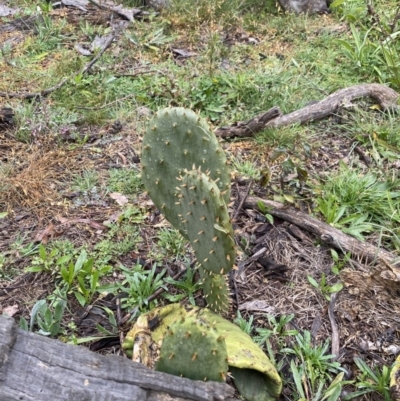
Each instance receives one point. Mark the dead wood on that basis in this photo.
(249, 128)
(128, 13)
(36, 368)
(386, 97)
(335, 338)
(385, 269)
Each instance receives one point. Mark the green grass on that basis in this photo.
(362, 202)
(170, 244)
(125, 180)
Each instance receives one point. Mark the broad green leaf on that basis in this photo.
(336, 287)
(312, 281)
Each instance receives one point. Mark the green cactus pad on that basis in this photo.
(254, 375)
(206, 220)
(194, 350)
(175, 140)
(246, 356)
(216, 291)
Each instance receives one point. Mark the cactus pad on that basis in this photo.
(175, 140)
(216, 291)
(193, 349)
(205, 218)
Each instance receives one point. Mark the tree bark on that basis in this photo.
(36, 368)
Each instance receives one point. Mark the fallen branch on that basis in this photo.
(46, 92)
(386, 97)
(385, 266)
(128, 13)
(335, 330)
(249, 128)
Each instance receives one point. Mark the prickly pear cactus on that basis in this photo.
(193, 349)
(395, 380)
(206, 221)
(175, 140)
(176, 330)
(216, 291)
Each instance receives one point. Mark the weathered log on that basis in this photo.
(385, 268)
(36, 368)
(385, 96)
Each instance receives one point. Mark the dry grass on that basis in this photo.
(30, 174)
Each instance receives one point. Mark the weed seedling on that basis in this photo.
(265, 211)
(315, 365)
(47, 317)
(245, 325)
(326, 289)
(339, 263)
(187, 285)
(137, 286)
(170, 244)
(371, 381)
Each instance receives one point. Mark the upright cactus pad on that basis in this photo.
(216, 291)
(175, 140)
(193, 349)
(205, 218)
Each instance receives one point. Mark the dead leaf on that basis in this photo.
(11, 310)
(43, 236)
(119, 198)
(113, 218)
(258, 305)
(92, 223)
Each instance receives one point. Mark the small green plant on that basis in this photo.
(46, 261)
(187, 285)
(82, 277)
(126, 181)
(326, 289)
(137, 286)
(313, 361)
(47, 317)
(152, 40)
(358, 202)
(339, 263)
(170, 244)
(86, 181)
(332, 393)
(265, 211)
(275, 335)
(371, 381)
(245, 325)
(362, 50)
(277, 328)
(246, 168)
(335, 215)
